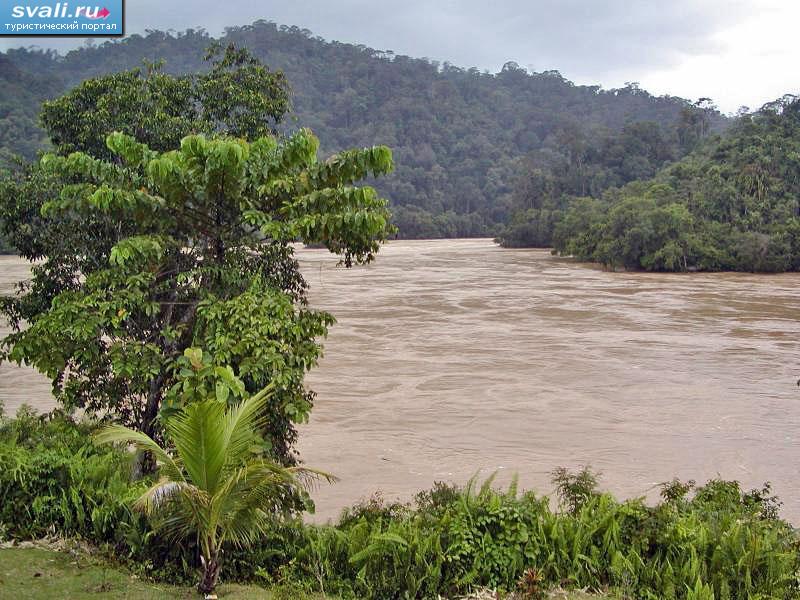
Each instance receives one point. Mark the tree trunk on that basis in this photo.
(144, 464)
(151, 408)
(211, 568)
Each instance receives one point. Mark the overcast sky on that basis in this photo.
(738, 52)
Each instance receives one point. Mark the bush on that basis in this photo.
(715, 541)
(722, 543)
(55, 481)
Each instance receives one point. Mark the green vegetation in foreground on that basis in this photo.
(710, 542)
(216, 486)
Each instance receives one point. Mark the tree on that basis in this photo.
(143, 253)
(213, 485)
(201, 288)
(238, 96)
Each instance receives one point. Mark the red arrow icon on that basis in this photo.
(103, 14)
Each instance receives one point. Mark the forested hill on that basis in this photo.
(458, 134)
(20, 95)
(732, 205)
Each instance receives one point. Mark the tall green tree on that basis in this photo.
(201, 290)
(237, 95)
(159, 242)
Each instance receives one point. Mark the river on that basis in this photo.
(457, 357)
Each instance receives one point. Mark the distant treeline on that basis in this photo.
(465, 142)
(732, 204)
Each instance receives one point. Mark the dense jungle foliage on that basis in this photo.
(714, 542)
(584, 164)
(459, 135)
(733, 204)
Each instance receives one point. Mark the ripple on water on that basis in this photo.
(456, 357)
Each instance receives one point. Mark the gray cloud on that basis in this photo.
(590, 41)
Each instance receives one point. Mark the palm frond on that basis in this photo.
(199, 441)
(266, 479)
(249, 510)
(308, 478)
(165, 492)
(240, 425)
(177, 524)
(257, 488)
(118, 434)
(245, 529)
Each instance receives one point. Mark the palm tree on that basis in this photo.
(214, 484)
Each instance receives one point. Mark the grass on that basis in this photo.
(36, 573)
(44, 574)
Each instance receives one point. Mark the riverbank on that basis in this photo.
(451, 541)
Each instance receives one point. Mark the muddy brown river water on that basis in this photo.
(456, 357)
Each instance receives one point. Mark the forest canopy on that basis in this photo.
(730, 205)
(462, 138)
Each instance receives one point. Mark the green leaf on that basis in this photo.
(195, 356)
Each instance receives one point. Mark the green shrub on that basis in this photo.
(723, 541)
(55, 480)
(714, 541)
